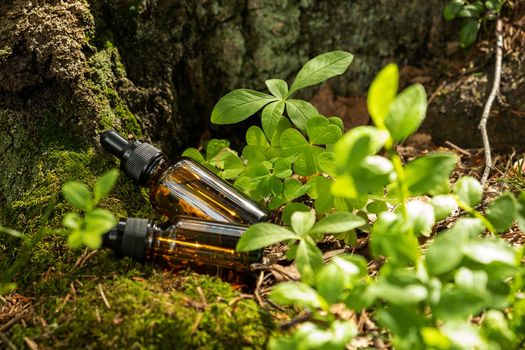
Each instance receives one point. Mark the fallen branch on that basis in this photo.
(488, 105)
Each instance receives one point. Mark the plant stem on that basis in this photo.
(476, 214)
(401, 178)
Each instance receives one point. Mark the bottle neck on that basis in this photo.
(155, 171)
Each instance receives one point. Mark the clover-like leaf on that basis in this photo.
(321, 132)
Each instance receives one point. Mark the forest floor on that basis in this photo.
(94, 298)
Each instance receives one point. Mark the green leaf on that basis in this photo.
(270, 117)
(502, 212)
(496, 327)
(92, 240)
(306, 162)
(98, 222)
(320, 192)
(326, 163)
(343, 332)
(337, 222)
(399, 288)
(238, 105)
(337, 121)
(407, 112)
(488, 251)
(356, 144)
(291, 208)
(321, 132)
(72, 221)
(353, 267)
(390, 238)
(445, 252)
(376, 207)
(444, 205)
(232, 164)
(308, 259)
(77, 194)
(282, 168)
(520, 211)
(421, 216)
(194, 154)
(471, 11)
(452, 9)
(262, 235)
(214, 146)
(382, 93)
(105, 184)
(299, 112)
(282, 125)
(302, 222)
(429, 174)
(330, 283)
(255, 137)
(293, 142)
(469, 190)
(469, 32)
(321, 68)
(296, 293)
(294, 189)
(11, 232)
(464, 335)
(457, 304)
(278, 88)
(74, 241)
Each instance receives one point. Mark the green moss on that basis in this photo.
(150, 312)
(106, 69)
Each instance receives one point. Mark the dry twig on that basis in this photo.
(488, 105)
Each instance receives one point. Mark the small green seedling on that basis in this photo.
(88, 230)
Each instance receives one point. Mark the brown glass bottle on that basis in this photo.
(183, 186)
(203, 245)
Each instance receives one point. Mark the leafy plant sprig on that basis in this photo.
(472, 15)
(425, 299)
(294, 138)
(88, 230)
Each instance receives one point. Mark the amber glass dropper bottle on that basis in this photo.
(183, 186)
(203, 245)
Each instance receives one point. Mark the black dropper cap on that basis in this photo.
(128, 238)
(136, 158)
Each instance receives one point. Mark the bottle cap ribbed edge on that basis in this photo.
(134, 238)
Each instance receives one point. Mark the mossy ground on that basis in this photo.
(148, 308)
